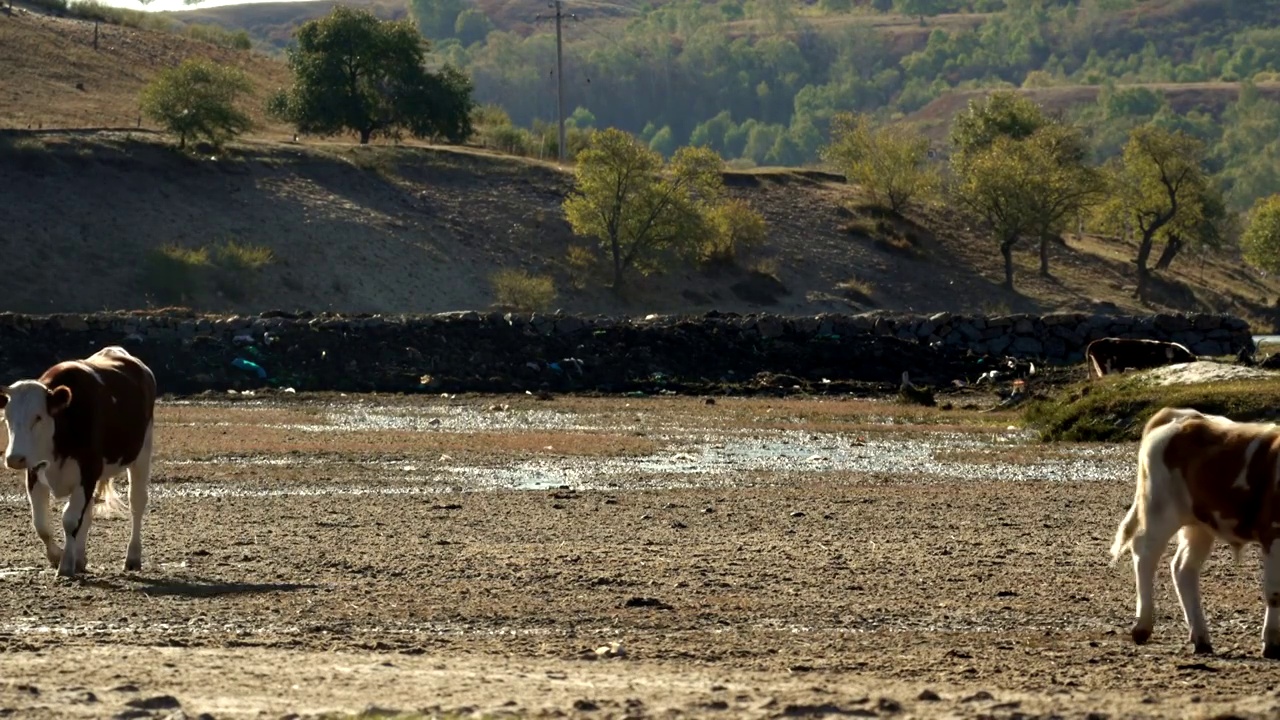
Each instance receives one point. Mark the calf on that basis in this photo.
(1109, 355)
(79, 425)
(1203, 478)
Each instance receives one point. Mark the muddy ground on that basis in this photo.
(603, 558)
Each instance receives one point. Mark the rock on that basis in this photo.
(769, 327)
(1027, 346)
(156, 702)
(73, 323)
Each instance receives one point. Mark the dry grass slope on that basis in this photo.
(413, 228)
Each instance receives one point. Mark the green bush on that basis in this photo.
(523, 292)
(174, 274)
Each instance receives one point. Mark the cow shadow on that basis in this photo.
(193, 587)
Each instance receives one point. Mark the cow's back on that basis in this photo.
(112, 406)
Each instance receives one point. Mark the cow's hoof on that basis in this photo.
(1271, 650)
(1202, 647)
(55, 560)
(132, 565)
(1140, 635)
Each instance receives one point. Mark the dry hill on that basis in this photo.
(383, 229)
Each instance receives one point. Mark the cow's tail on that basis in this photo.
(1134, 520)
(108, 502)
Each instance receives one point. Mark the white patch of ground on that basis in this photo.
(1204, 371)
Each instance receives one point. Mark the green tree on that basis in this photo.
(642, 211)
(1004, 112)
(197, 99)
(1065, 184)
(437, 18)
(918, 8)
(355, 72)
(472, 26)
(1159, 183)
(1261, 240)
(1026, 188)
(734, 227)
(891, 163)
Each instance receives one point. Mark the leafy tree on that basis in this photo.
(1060, 155)
(641, 210)
(918, 8)
(1065, 184)
(891, 163)
(472, 26)
(1261, 240)
(1003, 112)
(734, 227)
(355, 72)
(1026, 188)
(197, 99)
(1159, 184)
(994, 185)
(437, 18)
(1210, 227)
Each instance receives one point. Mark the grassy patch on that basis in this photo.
(236, 267)
(176, 274)
(520, 291)
(173, 274)
(28, 154)
(1114, 410)
(93, 10)
(857, 290)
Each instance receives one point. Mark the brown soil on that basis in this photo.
(744, 596)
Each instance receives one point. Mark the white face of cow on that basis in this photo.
(29, 410)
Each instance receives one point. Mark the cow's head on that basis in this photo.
(29, 411)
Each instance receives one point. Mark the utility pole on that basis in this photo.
(559, 78)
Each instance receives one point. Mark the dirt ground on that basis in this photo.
(610, 558)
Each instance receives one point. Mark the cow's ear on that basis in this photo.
(59, 399)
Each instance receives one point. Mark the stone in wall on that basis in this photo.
(495, 352)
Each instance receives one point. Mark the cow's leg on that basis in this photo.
(38, 498)
(1194, 545)
(1271, 591)
(139, 482)
(75, 520)
(1147, 549)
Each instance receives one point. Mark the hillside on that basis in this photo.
(386, 229)
(53, 77)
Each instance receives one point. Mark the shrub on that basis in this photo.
(582, 262)
(519, 290)
(236, 267)
(197, 99)
(174, 274)
(735, 227)
(215, 35)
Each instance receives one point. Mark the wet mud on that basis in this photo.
(653, 557)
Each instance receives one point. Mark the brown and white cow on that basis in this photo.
(1204, 478)
(79, 425)
(1112, 355)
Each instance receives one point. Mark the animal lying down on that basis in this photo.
(71, 431)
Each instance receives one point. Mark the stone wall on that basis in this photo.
(470, 351)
